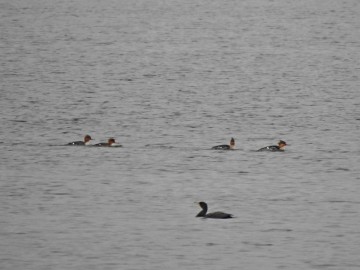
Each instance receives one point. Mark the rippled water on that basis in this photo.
(170, 79)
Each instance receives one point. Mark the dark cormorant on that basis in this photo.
(203, 214)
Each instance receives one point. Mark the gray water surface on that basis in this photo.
(169, 80)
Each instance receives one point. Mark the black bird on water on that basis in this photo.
(203, 214)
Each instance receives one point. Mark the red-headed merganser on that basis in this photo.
(203, 214)
(274, 148)
(225, 146)
(86, 141)
(111, 142)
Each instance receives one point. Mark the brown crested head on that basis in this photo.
(282, 143)
(87, 138)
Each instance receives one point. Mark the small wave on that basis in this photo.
(277, 230)
(342, 201)
(258, 244)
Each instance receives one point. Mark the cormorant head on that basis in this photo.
(203, 205)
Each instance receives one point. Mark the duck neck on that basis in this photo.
(232, 143)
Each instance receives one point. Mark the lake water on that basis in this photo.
(169, 80)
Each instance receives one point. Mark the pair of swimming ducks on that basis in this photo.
(273, 148)
(221, 215)
(87, 139)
